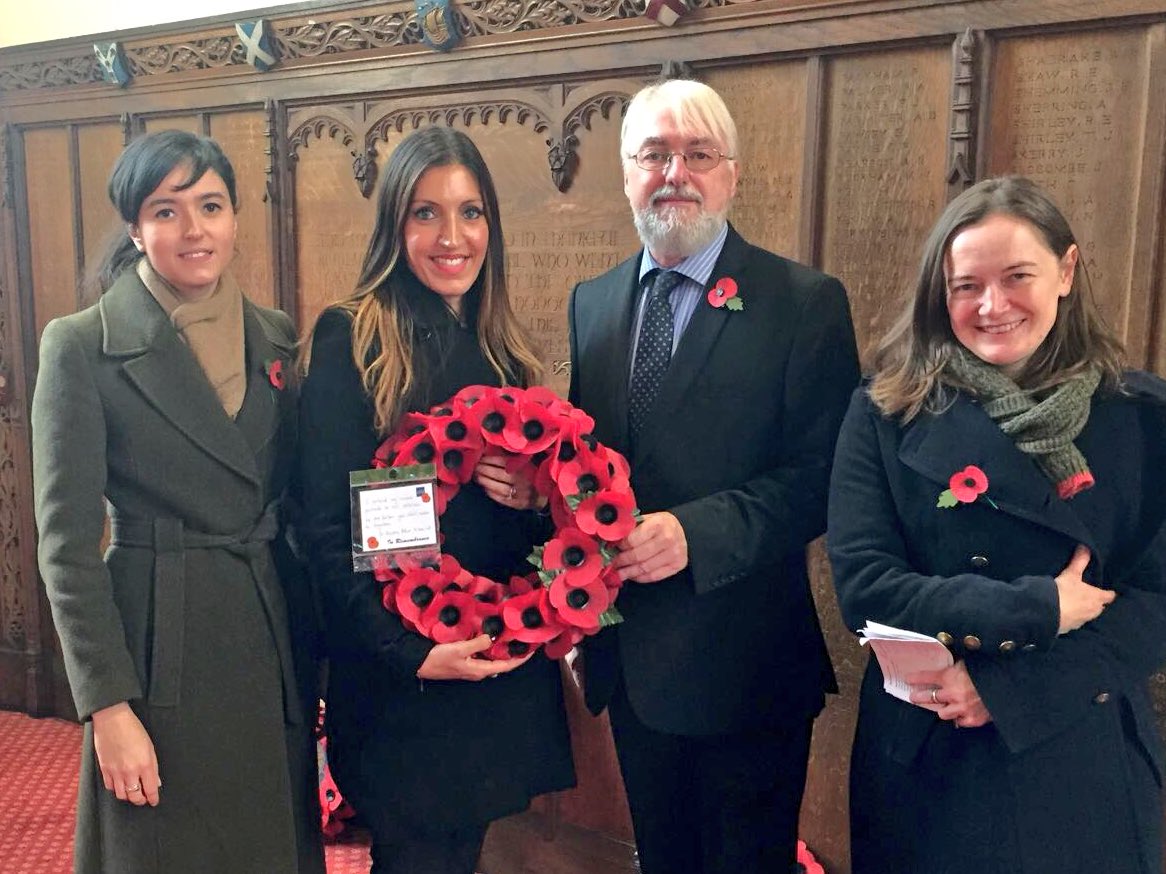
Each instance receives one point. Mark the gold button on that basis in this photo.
(945, 638)
(1101, 698)
(1028, 647)
(1007, 646)
(979, 561)
(971, 642)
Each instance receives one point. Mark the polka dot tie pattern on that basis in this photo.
(653, 352)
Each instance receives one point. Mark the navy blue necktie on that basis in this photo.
(653, 351)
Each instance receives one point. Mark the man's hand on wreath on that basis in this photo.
(655, 550)
(509, 489)
(455, 661)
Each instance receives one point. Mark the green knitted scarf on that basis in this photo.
(1043, 429)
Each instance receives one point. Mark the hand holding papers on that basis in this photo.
(901, 653)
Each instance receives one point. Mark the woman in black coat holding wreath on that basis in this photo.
(427, 752)
(1001, 485)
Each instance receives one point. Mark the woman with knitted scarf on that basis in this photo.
(1000, 484)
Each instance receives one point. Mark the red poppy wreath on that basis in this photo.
(572, 591)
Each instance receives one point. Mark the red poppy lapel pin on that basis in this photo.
(964, 487)
(275, 373)
(724, 294)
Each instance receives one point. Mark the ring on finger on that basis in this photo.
(137, 787)
(934, 698)
(513, 493)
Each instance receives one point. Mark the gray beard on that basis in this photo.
(667, 235)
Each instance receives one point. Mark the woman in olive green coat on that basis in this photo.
(166, 403)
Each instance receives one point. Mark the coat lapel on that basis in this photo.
(939, 446)
(695, 347)
(265, 404)
(160, 366)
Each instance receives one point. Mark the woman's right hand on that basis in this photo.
(125, 754)
(1079, 601)
(455, 661)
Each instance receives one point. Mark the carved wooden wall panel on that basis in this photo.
(856, 124)
(887, 118)
(243, 137)
(98, 146)
(333, 220)
(51, 187)
(1069, 111)
(768, 103)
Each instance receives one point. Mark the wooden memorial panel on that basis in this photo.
(98, 146)
(333, 220)
(192, 123)
(887, 123)
(51, 232)
(768, 103)
(1068, 111)
(244, 140)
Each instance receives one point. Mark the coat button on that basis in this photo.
(945, 638)
(979, 561)
(1101, 698)
(972, 642)
(1007, 646)
(1028, 647)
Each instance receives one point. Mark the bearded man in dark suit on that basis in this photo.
(722, 371)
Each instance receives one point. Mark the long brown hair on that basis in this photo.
(382, 336)
(911, 360)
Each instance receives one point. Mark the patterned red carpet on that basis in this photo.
(38, 792)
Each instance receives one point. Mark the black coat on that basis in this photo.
(738, 447)
(412, 755)
(1066, 777)
(187, 617)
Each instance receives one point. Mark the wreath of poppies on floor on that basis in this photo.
(572, 591)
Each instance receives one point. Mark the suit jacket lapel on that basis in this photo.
(939, 446)
(160, 366)
(695, 347)
(618, 308)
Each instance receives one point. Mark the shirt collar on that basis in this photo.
(698, 267)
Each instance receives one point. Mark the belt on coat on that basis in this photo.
(170, 538)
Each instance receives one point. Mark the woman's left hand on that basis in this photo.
(508, 489)
(951, 694)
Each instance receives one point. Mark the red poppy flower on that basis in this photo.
(530, 617)
(275, 375)
(521, 585)
(416, 591)
(585, 473)
(579, 604)
(533, 430)
(497, 411)
(720, 293)
(418, 449)
(545, 397)
(484, 590)
(607, 514)
(488, 619)
(507, 646)
(968, 484)
(450, 616)
(610, 578)
(573, 554)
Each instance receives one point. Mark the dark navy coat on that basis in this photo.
(1066, 777)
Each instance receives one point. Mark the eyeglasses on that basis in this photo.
(699, 160)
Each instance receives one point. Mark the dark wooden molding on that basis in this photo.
(965, 108)
(813, 163)
(6, 135)
(78, 220)
(281, 209)
(304, 38)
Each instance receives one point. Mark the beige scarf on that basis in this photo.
(212, 328)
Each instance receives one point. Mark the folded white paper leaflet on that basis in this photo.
(901, 652)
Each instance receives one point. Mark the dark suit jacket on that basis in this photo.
(738, 448)
(1070, 764)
